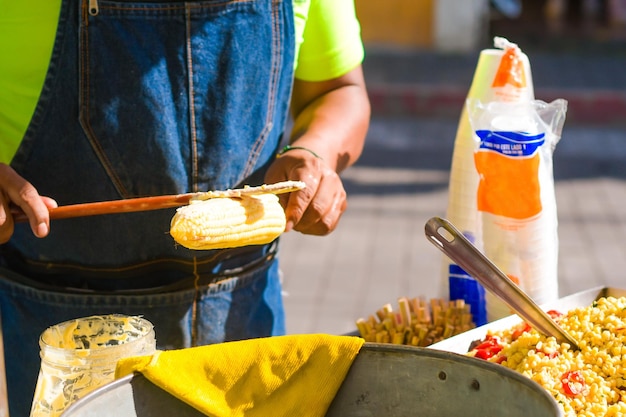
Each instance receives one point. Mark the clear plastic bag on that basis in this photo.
(514, 145)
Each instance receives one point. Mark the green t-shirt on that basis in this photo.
(328, 45)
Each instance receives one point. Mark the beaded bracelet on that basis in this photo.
(291, 148)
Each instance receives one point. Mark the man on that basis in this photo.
(152, 98)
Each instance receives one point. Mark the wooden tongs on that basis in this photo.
(157, 202)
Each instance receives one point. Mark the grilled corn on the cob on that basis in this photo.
(220, 223)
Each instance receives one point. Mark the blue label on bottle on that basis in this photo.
(464, 287)
(514, 144)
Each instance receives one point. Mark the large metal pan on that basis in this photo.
(384, 380)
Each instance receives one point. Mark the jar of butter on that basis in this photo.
(80, 355)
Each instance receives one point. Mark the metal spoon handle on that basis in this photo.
(450, 241)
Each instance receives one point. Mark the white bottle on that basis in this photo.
(501, 74)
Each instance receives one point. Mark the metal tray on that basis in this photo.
(461, 343)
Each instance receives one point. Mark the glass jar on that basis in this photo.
(78, 356)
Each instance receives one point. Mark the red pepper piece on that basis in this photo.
(488, 343)
(487, 353)
(554, 314)
(521, 329)
(573, 383)
(482, 354)
(488, 349)
(500, 359)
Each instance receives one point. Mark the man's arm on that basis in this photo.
(331, 119)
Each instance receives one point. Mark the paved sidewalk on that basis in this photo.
(379, 252)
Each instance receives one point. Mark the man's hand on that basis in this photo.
(16, 191)
(331, 118)
(316, 209)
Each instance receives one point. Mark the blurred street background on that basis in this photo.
(420, 60)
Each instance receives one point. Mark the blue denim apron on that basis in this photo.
(141, 99)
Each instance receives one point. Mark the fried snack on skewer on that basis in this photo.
(418, 323)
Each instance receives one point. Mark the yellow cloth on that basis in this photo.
(295, 375)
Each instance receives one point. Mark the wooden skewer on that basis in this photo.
(109, 207)
(277, 188)
(130, 205)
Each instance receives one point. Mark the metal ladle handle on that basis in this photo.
(468, 257)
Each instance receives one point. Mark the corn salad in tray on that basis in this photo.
(589, 382)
